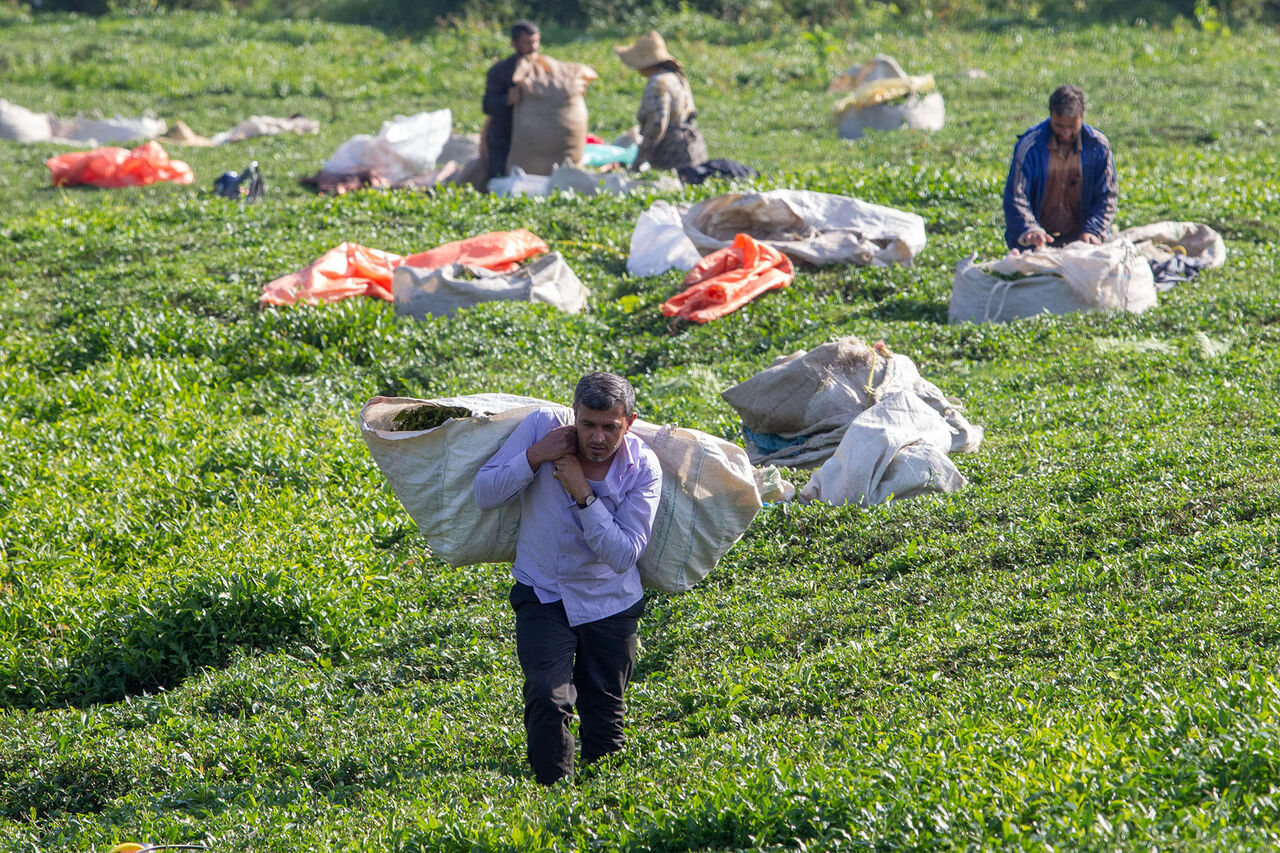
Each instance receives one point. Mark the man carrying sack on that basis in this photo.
(501, 95)
(588, 494)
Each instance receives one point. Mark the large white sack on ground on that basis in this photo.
(887, 98)
(914, 112)
(815, 395)
(1076, 277)
(421, 292)
(106, 131)
(404, 147)
(22, 125)
(1159, 240)
(895, 449)
(815, 227)
(709, 491)
(658, 242)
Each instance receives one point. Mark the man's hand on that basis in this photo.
(568, 470)
(515, 95)
(1091, 239)
(555, 444)
(1034, 238)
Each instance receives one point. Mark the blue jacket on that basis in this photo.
(1029, 171)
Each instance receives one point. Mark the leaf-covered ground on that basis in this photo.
(219, 626)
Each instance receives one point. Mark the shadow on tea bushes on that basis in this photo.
(145, 646)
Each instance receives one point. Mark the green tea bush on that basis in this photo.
(219, 626)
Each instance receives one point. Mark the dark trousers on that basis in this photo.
(584, 666)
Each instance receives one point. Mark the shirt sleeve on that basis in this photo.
(1100, 215)
(496, 85)
(1018, 216)
(619, 537)
(507, 473)
(653, 117)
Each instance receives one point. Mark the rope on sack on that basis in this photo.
(1003, 286)
(1130, 253)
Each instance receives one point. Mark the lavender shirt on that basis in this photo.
(583, 557)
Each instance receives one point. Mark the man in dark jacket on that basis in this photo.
(500, 96)
(1062, 181)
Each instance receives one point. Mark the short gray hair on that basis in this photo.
(1067, 101)
(603, 391)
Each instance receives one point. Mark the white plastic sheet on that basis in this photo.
(658, 242)
(404, 147)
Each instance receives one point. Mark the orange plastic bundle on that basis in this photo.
(350, 269)
(118, 167)
(500, 251)
(729, 278)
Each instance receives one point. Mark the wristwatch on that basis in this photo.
(587, 501)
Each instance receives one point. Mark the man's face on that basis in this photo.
(527, 43)
(1066, 128)
(600, 431)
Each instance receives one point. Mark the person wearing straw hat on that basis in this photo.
(667, 117)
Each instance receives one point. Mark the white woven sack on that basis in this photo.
(709, 493)
(813, 227)
(432, 472)
(895, 449)
(421, 292)
(709, 498)
(1076, 277)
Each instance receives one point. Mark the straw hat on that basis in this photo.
(649, 50)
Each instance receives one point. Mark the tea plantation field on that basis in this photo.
(219, 627)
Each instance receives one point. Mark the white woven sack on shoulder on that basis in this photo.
(709, 493)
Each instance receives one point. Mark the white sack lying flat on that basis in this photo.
(583, 182)
(265, 126)
(422, 292)
(895, 449)
(404, 147)
(1159, 240)
(22, 125)
(814, 227)
(1076, 277)
(659, 243)
(709, 491)
(815, 395)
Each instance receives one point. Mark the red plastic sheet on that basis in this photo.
(118, 167)
(729, 278)
(350, 269)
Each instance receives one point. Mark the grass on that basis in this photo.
(219, 626)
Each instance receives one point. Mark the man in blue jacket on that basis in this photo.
(1062, 181)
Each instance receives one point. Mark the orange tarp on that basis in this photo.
(118, 167)
(729, 278)
(350, 269)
